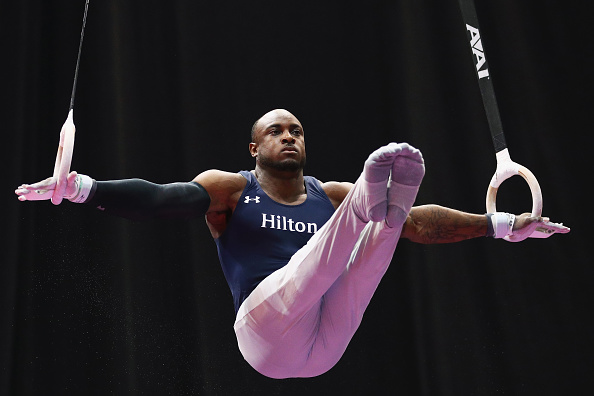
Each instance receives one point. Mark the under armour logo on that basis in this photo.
(248, 199)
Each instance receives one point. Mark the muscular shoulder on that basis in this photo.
(224, 188)
(336, 191)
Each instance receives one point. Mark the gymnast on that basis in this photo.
(302, 258)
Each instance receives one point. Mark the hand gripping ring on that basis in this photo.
(507, 168)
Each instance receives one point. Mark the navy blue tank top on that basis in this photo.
(263, 234)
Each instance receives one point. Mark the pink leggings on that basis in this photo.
(300, 319)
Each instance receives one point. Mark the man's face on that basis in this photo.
(279, 142)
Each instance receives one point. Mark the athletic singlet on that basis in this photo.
(263, 234)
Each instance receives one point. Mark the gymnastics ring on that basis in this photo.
(64, 158)
(507, 168)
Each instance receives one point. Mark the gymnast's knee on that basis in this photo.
(282, 360)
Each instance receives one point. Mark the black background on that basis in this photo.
(93, 304)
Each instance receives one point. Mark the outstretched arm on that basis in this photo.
(436, 224)
(431, 224)
(138, 199)
(135, 199)
(213, 192)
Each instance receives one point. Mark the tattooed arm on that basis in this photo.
(437, 224)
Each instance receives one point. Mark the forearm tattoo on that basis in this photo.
(436, 224)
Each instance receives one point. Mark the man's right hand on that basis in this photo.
(44, 189)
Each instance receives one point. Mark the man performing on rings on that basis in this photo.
(302, 258)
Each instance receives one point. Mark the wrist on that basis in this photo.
(83, 185)
(500, 224)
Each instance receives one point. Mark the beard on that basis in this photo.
(286, 165)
